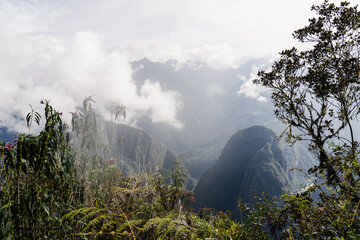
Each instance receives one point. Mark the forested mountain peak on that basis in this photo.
(250, 161)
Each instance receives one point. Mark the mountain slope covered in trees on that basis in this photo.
(250, 161)
(135, 150)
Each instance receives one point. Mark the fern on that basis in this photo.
(81, 211)
(96, 222)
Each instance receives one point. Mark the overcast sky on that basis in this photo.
(230, 29)
(65, 50)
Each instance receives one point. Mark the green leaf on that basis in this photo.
(46, 208)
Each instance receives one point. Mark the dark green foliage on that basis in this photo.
(141, 207)
(52, 190)
(38, 181)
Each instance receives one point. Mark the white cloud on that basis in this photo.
(251, 90)
(215, 89)
(65, 75)
(255, 28)
(220, 33)
(162, 106)
(220, 56)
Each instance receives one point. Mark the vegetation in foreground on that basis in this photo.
(53, 190)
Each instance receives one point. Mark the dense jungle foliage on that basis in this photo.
(54, 189)
(62, 183)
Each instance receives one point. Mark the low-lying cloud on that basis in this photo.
(219, 56)
(67, 74)
(251, 90)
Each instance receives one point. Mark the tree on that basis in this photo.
(316, 91)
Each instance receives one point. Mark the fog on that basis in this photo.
(65, 75)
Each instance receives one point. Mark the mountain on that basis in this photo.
(250, 161)
(211, 110)
(136, 151)
(298, 157)
(211, 113)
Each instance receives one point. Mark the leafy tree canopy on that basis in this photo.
(316, 94)
(316, 91)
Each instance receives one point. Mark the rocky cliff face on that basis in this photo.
(250, 161)
(135, 150)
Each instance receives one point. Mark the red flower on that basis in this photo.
(8, 145)
(112, 160)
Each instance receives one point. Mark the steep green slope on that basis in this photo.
(251, 160)
(133, 149)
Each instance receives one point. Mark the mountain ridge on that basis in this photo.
(251, 160)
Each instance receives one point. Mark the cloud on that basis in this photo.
(251, 90)
(161, 106)
(215, 89)
(219, 57)
(150, 28)
(205, 30)
(67, 74)
(40, 58)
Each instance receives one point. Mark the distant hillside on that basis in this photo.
(298, 156)
(211, 109)
(251, 160)
(212, 112)
(136, 151)
(6, 136)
